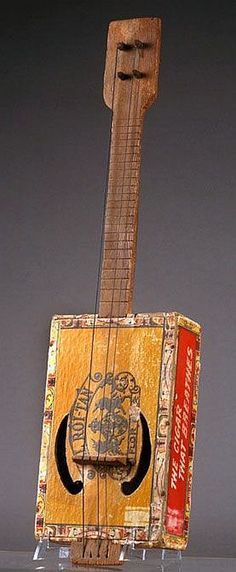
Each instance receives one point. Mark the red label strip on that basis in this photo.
(181, 432)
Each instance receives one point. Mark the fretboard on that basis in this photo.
(121, 217)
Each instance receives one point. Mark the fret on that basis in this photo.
(118, 273)
(119, 236)
(121, 191)
(126, 143)
(132, 205)
(123, 150)
(125, 177)
(114, 284)
(120, 228)
(126, 163)
(121, 198)
(124, 153)
(117, 254)
(122, 173)
(132, 127)
(115, 305)
(128, 219)
(128, 127)
(119, 212)
(125, 120)
(117, 289)
(116, 245)
(132, 145)
(114, 300)
(129, 139)
(120, 265)
(112, 199)
(127, 184)
(117, 192)
(116, 293)
(127, 134)
(124, 159)
(119, 261)
(122, 185)
(125, 188)
(128, 168)
(120, 225)
(121, 177)
(116, 204)
(116, 248)
(121, 208)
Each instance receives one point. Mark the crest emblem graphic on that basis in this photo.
(104, 419)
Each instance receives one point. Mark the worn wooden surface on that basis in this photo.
(96, 553)
(128, 100)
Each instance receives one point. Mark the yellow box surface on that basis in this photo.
(141, 354)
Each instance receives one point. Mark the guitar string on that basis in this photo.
(96, 296)
(136, 107)
(112, 319)
(110, 330)
(106, 373)
(138, 193)
(131, 162)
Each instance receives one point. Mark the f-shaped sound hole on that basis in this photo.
(73, 487)
(129, 487)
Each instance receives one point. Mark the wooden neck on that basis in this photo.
(130, 87)
(121, 213)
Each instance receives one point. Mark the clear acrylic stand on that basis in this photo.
(50, 556)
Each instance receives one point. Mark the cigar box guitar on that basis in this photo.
(121, 394)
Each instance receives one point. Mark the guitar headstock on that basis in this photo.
(133, 55)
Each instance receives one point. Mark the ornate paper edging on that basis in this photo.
(46, 427)
(163, 426)
(93, 320)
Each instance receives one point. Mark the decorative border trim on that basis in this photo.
(47, 425)
(163, 426)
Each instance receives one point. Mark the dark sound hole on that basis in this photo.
(129, 487)
(73, 487)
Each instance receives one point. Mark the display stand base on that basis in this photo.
(50, 556)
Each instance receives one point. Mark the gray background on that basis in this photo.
(54, 138)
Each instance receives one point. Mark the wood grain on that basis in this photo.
(128, 100)
(94, 553)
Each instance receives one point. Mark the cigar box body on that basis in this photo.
(154, 360)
